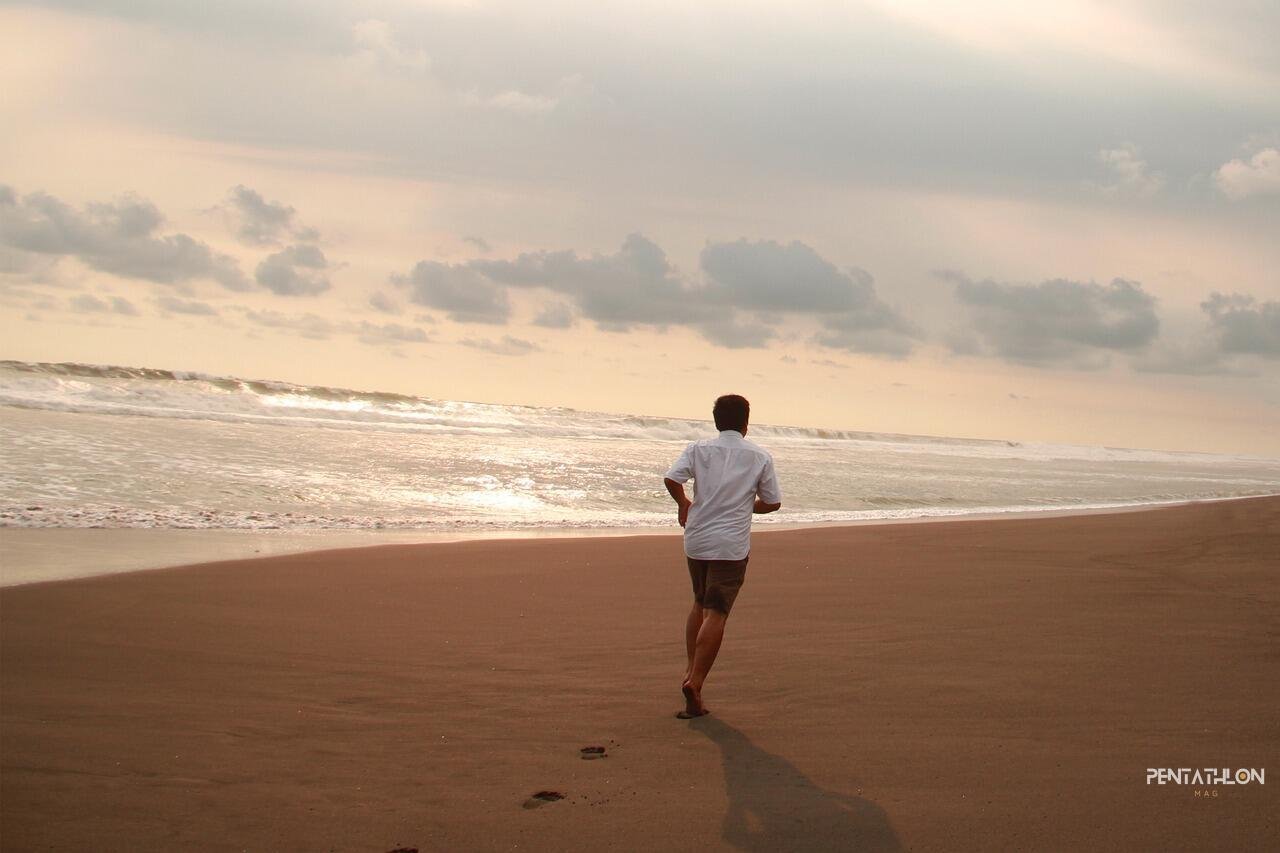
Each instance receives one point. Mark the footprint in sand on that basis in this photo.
(590, 753)
(542, 798)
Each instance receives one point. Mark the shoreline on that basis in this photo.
(38, 555)
(1004, 684)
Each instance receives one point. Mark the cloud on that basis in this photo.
(481, 244)
(88, 304)
(1244, 326)
(1130, 173)
(387, 333)
(315, 327)
(294, 271)
(465, 294)
(555, 315)
(17, 296)
(1186, 358)
(259, 222)
(733, 333)
(636, 285)
(376, 45)
(36, 269)
(777, 279)
(888, 103)
(747, 290)
(519, 102)
(768, 275)
(1056, 321)
(379, 301)
(506, 346)
(113, 237)
(876, 329)
(309, 326)
(1260, 175)
(523, 103)
(185, 306)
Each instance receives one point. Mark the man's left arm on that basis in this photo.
(768, 495)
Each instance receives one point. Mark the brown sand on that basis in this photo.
(978, 685)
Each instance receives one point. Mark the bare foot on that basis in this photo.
(693, 706)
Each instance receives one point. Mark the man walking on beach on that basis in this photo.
(732, 479)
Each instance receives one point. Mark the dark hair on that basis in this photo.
(731, 412)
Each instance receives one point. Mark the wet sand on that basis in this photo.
(970, 685)
(39, 554)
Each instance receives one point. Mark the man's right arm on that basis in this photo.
(675, 480)
(676, 491)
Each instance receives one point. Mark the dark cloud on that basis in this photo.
(637, 285)
(507, 345)
(1243, 325)
(186, 306)
(768, 275)
(88, 304)
(778, 279)
(1237, 325)
(481, 244)
(889, 101)
(465, 294)
(259, 222)
(749, 289)
(114, 237)
(294, 271)
(1054, 322)
(555, 315)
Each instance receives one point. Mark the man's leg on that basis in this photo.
(691, 626)
(704, 655)
(724, 579)
(707, 647)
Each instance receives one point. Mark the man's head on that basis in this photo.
(731, 411)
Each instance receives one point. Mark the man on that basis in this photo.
(732, 479)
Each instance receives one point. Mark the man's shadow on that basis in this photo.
(773, 806)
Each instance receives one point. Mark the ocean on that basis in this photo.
(91, 446)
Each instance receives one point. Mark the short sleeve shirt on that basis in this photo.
(728, 473)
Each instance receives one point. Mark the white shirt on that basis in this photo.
(728, 472)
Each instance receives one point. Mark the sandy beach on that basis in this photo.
(969, 685)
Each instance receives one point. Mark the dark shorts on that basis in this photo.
(716, 582)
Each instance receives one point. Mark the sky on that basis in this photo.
(1051, 222)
